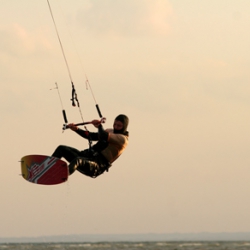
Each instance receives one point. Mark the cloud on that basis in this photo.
(141, 17)
(23, 50)
(16, 40)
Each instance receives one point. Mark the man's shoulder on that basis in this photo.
(116, 137)
(109, 130)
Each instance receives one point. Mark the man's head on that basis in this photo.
(121, 124)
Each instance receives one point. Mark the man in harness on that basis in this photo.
(99, 157)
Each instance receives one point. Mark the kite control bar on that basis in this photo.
(65, 126)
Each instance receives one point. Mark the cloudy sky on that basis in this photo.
(180, 71)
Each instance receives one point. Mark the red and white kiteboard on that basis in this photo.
(45, 170)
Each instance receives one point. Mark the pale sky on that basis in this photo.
(179, 69)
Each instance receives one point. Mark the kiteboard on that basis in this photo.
(45, 170)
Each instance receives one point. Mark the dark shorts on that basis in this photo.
(86, 162)
(90, 164)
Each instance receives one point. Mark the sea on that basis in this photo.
(225, 245)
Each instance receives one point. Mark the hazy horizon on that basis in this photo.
(149, 237)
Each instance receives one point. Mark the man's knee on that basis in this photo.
(59, 151)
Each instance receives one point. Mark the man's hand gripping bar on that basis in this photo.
(65, 126)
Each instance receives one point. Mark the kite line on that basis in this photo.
(74, 97)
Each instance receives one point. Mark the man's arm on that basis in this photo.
(103, 135)
(84, 133)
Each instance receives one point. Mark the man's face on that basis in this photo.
(118, 125)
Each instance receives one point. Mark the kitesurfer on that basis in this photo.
(99, 157)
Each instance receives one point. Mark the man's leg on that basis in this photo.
(85, 166)
(66, 152)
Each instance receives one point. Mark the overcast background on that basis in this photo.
(179, 70)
